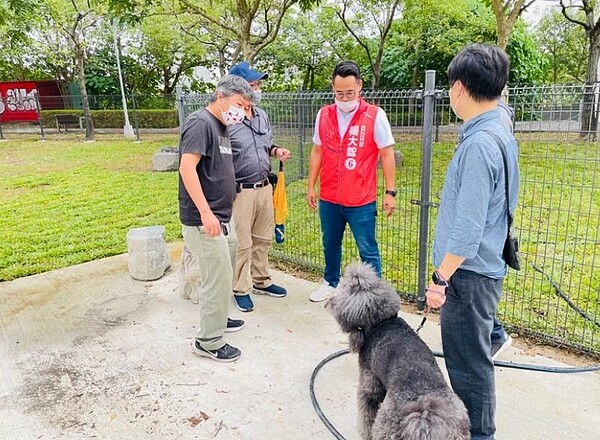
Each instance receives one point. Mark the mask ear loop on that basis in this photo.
(457, 99)
(221, 108)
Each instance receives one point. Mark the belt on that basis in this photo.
(254, 185)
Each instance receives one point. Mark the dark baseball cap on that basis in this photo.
(243, 69)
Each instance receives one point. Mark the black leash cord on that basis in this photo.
(530, 367)
(313, 398)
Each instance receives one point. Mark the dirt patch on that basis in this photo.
(71, 395)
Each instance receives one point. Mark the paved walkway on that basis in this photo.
(87, 352)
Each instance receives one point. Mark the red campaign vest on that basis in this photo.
(349, 166)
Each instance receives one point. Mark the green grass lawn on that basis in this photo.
(65, 202)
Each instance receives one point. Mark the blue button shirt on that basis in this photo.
(472, 217)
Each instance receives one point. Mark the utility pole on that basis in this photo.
(127, 129)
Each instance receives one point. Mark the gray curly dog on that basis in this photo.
(402, 393)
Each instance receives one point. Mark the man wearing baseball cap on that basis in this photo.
(252, 147)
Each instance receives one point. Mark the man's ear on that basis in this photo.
(461, 88)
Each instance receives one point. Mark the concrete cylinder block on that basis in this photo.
(148, 257)
(166, 160)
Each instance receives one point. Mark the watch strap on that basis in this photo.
(438, 279)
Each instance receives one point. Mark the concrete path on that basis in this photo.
(87, 352)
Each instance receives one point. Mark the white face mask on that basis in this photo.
(347, 106)
(234, 115)
(453, 106)
(257, 96)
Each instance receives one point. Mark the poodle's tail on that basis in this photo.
(434, 417)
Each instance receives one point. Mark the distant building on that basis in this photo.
(18, 99)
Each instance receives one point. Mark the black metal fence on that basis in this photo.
(109, 102)
(555, 297)
(107, 112)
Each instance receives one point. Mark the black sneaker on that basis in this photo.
(499, 347)
(226, 353)
(234, 325)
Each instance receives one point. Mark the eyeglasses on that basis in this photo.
(350, 94)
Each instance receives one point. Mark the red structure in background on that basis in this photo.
(18, 101)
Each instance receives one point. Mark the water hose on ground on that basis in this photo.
(530, 367)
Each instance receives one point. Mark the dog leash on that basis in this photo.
(427, 308)
(423, 320)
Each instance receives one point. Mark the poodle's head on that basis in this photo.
(363, 300)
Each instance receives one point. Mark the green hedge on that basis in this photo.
(116, 119)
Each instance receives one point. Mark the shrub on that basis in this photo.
(116, 118)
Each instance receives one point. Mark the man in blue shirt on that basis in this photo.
(471, 230)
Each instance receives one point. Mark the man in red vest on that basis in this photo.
(349, 138)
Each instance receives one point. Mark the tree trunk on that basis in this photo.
(376, 76)
(414, 83)
(589, 111)
(89, 126)
(222, 61)
(503, 35)
(166, 78)
(308, 81)
(250, 57)
(305, 78)
(64, 93)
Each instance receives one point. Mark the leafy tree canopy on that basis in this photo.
(431, 32)
(565, 46)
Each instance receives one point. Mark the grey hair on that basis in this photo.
(230, 85)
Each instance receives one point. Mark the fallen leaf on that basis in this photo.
(195, 421)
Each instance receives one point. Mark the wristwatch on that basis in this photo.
(438, 280)
(391, 192)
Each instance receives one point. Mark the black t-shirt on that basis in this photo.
(205, 135)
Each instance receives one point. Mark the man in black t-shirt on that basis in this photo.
(206, 193)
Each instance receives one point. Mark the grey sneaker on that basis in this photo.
(499, 347)
(226, 353)
(234, 325)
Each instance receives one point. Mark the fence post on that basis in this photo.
(2, 108)
(424, 202)
(300, 117)
(39, 112)
(180, 105)
(436, 118)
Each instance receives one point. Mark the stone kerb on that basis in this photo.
(148, 257)
(167, 159)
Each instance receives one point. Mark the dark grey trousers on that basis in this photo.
(467, 320)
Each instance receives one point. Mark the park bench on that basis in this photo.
(64, 120)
